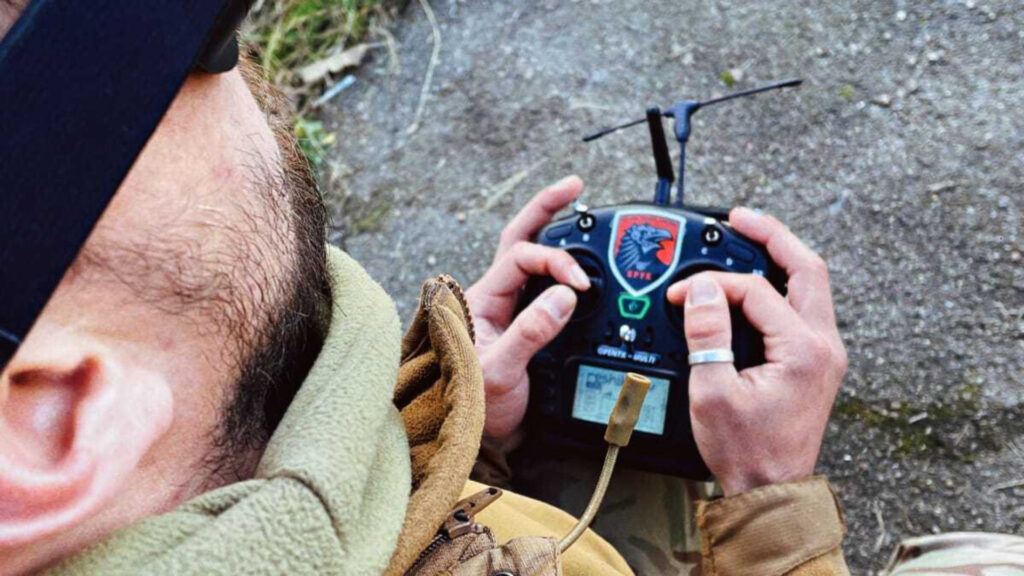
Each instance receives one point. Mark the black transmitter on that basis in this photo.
(632, 253)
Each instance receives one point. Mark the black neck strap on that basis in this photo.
(83, 85)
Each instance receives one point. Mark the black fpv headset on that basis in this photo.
(83, 85)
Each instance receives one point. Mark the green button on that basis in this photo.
(633, 307)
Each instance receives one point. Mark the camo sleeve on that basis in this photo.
(959, 554)
(793, 529)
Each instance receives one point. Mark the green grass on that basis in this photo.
(285, 35)
(289, 34)
(895, 420)
(314, 140)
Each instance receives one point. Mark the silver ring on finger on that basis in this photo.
(713, 356)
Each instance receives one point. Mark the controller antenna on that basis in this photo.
(682, 111)
(662, 159)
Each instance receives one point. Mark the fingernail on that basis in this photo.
(703, 290)
(566, 180)
(579, 278)
(559, 302)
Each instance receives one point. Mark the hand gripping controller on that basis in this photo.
(624, 323)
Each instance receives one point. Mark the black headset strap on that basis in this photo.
(83, 86)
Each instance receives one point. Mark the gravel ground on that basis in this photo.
(900, 160)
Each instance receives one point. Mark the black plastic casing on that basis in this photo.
(658, 350)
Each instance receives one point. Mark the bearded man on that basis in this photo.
(212, 389)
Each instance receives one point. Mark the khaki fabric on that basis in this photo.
(832, 563)
(514, 516)
(774, 531)
(960, 554)
(528, 556)
(441, 398)
(464, 547)
(478, 554)
(444, 558)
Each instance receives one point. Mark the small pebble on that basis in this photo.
(901, 15)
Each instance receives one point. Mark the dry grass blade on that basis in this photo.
(1016, 449)
(321, 69)
(435, 57)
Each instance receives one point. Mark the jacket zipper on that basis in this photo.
(458, 523)
(440, 539)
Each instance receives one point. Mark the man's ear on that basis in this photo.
(75, 420)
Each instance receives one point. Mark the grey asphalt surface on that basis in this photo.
(901, 160)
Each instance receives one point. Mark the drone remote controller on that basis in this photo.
(624, 323)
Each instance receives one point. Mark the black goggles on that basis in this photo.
(83, 85)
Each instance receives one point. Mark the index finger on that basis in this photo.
(809, 290)
(538, 212)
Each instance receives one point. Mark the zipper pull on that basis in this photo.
(460, 521)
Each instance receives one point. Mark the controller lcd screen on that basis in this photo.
(597, 390)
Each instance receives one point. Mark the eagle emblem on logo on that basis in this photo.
(645, 248)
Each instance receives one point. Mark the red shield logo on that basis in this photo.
(645, 248)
